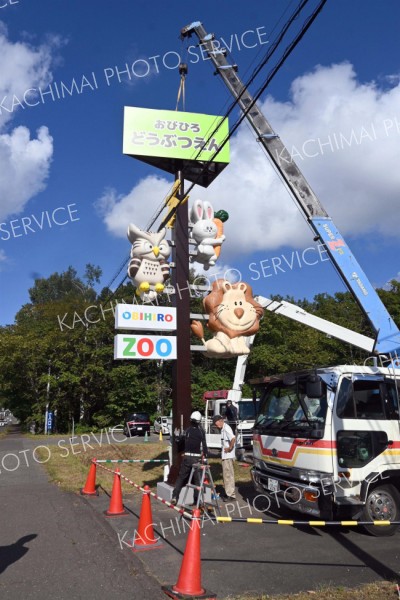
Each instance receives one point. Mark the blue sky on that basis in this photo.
(335, 103)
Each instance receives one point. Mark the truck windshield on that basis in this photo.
(247, 410)
(288, 409)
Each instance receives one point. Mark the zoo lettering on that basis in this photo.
(145, 347)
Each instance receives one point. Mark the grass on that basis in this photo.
(56, 436)
(382, 590)
(68, 464)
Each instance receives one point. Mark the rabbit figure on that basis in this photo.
(204, 233)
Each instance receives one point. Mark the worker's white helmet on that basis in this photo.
(195, 416)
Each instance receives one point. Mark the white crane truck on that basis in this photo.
(215, 403)
(326, 441)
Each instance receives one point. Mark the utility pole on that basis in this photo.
(47, 398)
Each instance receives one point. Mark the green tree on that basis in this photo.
(391, 299)
(73, 368)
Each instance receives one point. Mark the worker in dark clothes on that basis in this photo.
(231, 415)
(195, 451)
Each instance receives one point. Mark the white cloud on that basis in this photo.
(24, 161)
(345, 137)
(388, 285)
(136, 207)
(22, 66)
(3, 259)
(25, 166)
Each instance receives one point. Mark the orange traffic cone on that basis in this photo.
(145, 540)
(90, 485)
(116, 508)
(189, 580)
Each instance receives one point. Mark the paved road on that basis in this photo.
(54, 546)
(271, 559)
(60, 546)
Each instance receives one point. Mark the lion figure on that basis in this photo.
(234, 315)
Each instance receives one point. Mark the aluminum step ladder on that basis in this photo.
(206, 482)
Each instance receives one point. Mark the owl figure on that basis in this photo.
(148, 268)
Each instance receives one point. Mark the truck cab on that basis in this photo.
(327, 443)
(215, 403)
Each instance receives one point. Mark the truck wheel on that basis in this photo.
(382, 504)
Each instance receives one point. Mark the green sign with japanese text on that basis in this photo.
(175, 141)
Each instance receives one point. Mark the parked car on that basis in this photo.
(163, 424)
(137, 424)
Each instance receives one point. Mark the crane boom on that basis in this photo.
(287, 309)
(387, 334)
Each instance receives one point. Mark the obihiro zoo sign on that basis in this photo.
(134, 316)
(171, 140)
(140, 347)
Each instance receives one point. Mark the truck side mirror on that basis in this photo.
(314, 386)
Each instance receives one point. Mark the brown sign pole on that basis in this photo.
(181, 369)
(189, 152)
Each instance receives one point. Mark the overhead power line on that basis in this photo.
(271, 50)
(289, 49)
